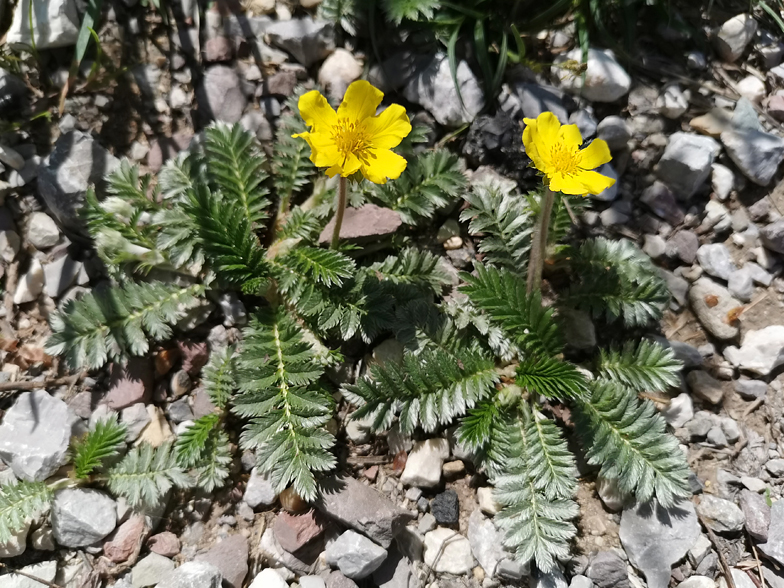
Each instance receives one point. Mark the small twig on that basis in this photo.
(369, 460)
(683, 320)
(739, 447)
(342, 190)
(755, 302)
(654, 398)
(759, 564)
(753, 406)
(48, 383)
(30, 576)
(11, 278)
(725, 566)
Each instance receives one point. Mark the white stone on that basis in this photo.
(355, 555)
(17, 544)
(42, 231)
(486, 542)
(448, 552)
(697, 582)
(717, 217)
(31, 284)
(268, 578)
(610, 494)
(722, 180)
(753, 88)
(605, 79)
(80, 516)
(60, 275)
(672, 102)
(721, 515)
(487, 503)
(741, 285)
(55, 22)
(680, 411)
(46, 570)
(338, 71)
(716, 260)
(178, 99)
(734, 35)
(423, 467)
(762, 351)
(9, 245)
(259, 490)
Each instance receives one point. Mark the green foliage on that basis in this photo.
(476, 428)
(113, 323)
(19, 503)
(551, 377)
(507, 222)
(291, 165)
(645, 366)
(501, 294)
(627, 438)
(431, 181)
(322, 266)
(618, 281)
(146, 474)
(341, 12)
(219, 377)
(104, 441)
(430, 388)
(205, 447)
(398, 10)
(300, 225)
(412, 267)
(288, 411)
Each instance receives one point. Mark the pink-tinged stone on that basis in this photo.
(165, 544)
(201, 404)
(366, 221)
(123, 541)
(130, 384)
(776, 107)
(294, 532)
(165, 148)
(230, 556)
(194, 356)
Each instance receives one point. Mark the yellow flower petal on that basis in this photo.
(596, 154)
(570, 134)
(383, 164)
(388, 128)
(589, 182)
(360, 101)
(545, 131)
(316, 111)
(531, 149)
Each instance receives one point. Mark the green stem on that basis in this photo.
(539, 244)
(342, 192)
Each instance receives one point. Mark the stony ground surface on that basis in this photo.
(697, 143)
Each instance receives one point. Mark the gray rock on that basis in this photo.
(734, 35)
(60, 275)
(35, 434)
(230, 556)
(608, 570)
(9, 245)
(655, 538)
(757, 513)
(363, 509)
(76, 163)
(486, 542)
(578, 328)
(220, 94)
(135, 418)
(423, 467)
(42, 231)
(446, 551)
(335, 580)
(697, 582)
(722, 180)
(604, 80)
(150, 570)
(395, 572)
(772, 236)
(774, 547)
(686, 162)
(716, 437)
(775, 579)
(446, 508)
(730, 428)
(654, 246)
(762, 351)
(553, 579)
(775, 467)
(585, 121)
(679, 411)
(278, 557)
(536, 99)
(757, 154)
(713, 317)
(716, 260)
(721, 515)
(55, 24)
(705, 386)
(355, 555)
(580, 581)
(433, 88)
(259, 490)
(683, 245)
(741, 284)
(192, 574)
(45, 570)
(758, 275)
(660, 199)
(614, 131)
(308, 40)
(81, 516)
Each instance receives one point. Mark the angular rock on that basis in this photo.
(608, 570)
(60, 275)
(605, 79)
(614, 131)
(303, 562)
(259, 490)
(55, 24)
(423, 467)
(363, 509)
(31, 284)
(124, 540)
(721, 515)
(686, 162)
(655, 538)
(446, 508)
(364, 222)
(355, 555)
(679, 411)
(697, 582)
(34, 435)
(230, 556)
(42, 231)
(711, 302)
(45, 570)
(750, 389)
(192, 574)
(716, 260)
(76, 163)
(734, 35)
(757, 513)
(683, 245)
(774, 547)
(433, 88)
(308, 40)
(757, 154)
(446, 551)
(294, 532)
(220, 95)
(486, 542)
(338, 71)
(149, 570)
(130, 384)
(166, 544)
(552, 579)
(660, 199)
(82, 516)
(741, 285)
(705, 386)
(9, 245)
(772, 236)
(337, 580)
(762, 351)
(269, 578)
(395, 572)
(536, 99)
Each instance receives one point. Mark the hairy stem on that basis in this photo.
(342, 192)
(539, 243)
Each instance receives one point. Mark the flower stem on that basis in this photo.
(539, 244)
(342, 190)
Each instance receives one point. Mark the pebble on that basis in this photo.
(654, 246)
(259, 490)
(721, 515)
(9, 245)
(304, 582)
(42, 231)
(614, 131)
(679, 411)
(60, 275)
(683, 245)
(487, 503)
(772, 236)
(672, 102)
(166, 544)
(757, 514)
(80, 516)
(705, 386)
(45, 570)
(604, 80)
(752, 88)
(687, 162)
(702, 296)
(220, 94)
(734, 35)
(31, 284)
(756, 153)
(762, 350)
(293, 532)
(355, 555)
(775, 467)
(269, 578)
(608, 570)
(230, 556)
(741, 284)
(424, 464)
(716, 260)
(180, 383)
(192, 574)
(660, 199)
(338, 71)
(486, 542)
(697, 582)
(446, 508)
(446, 551)
(129, 384)
(308, 40)
(722, 181)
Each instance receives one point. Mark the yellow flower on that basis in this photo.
(555, 151)
(354, 138)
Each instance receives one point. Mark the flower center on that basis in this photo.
(350, 138)
(565, 159)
